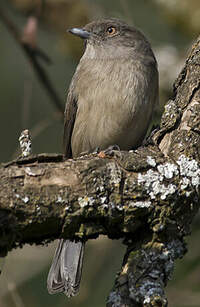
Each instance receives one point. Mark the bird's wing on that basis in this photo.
(69, 119)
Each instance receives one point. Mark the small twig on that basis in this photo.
(25, 143)
(29, 37)
(37, 129)
(42, 76)
(32, 52)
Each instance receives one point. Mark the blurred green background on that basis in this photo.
(171, 26)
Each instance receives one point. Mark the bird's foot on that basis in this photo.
(111, 151)
(150, 140)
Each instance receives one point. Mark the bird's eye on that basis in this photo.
(111, 31)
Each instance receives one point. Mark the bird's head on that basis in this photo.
(108, 38)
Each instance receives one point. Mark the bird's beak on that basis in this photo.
(80, 32)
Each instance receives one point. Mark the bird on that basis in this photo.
(110, 101)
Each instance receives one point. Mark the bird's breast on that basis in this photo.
(110, 111)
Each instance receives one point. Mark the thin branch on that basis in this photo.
(38, 128)
(31, 53)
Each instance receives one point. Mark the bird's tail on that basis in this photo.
(65, 272)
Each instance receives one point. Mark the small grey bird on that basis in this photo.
(110, 101)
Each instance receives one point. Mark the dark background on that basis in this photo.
(171, 26)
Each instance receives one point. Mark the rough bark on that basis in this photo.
(148, 197)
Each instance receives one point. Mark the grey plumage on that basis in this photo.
(110, 101)
(65, 272)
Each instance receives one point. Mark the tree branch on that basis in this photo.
(148, 197)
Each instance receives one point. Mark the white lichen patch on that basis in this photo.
(38, 210)
(60, 199)
(120, 207)
(185, 182)
(105, 206)
(140, 204)
(196, 181)
(147, 300)
(152, 182)
(188, 193)
(166, 190)
(151, 161)
(149, 178)
(189, 168)
(67, 208)
(103, 199)
(168, 170)
(86, 201)
(100, 188)
(113, 206)
(25, 199)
